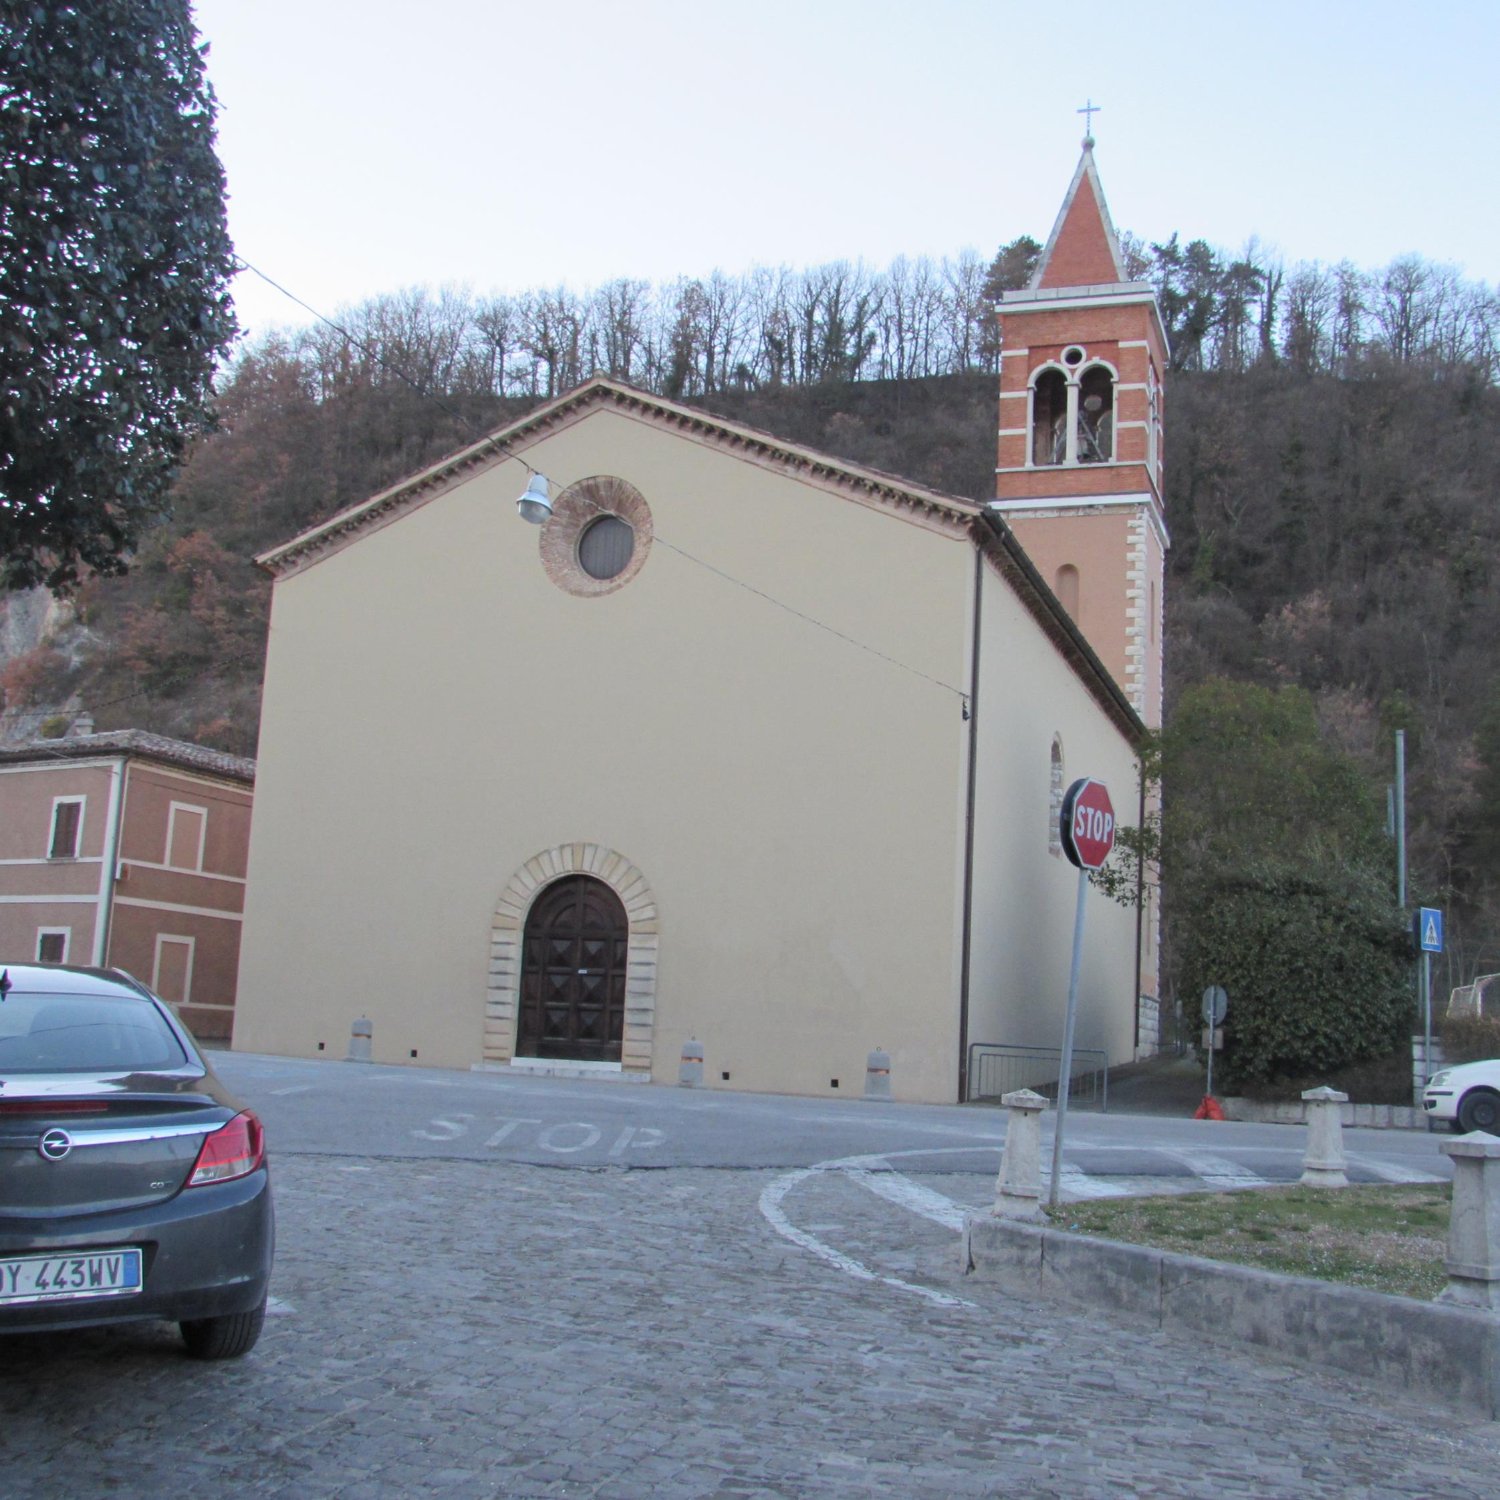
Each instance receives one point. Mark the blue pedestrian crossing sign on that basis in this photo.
(1430, 930)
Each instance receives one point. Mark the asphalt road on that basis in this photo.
(338, 1107)
(480, 1293)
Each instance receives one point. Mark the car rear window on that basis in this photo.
(49, 1033)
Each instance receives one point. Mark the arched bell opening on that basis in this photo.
(1049, 418)
(1096, 416)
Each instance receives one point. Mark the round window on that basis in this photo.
(1073, 357)
(605, 547)
(598, 537)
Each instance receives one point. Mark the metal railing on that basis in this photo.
(997, 1068)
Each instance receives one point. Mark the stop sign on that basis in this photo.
(1088, 824)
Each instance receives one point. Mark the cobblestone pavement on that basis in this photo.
(477, 1329)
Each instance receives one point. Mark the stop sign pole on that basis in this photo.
(1088, 834)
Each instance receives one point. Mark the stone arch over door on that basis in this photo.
(502, 1000)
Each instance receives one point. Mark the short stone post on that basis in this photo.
(878, 1075)
(1474, 1224)
(1323, 1166)
(1018, 1189)
(690, 1065)
(361, 1035)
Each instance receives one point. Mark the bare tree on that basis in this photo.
(1306, 316)
(969, 313)
(552, 335)
(618, 312)
(915, 298)
(1403, 306)
(496, 338)
(775, 361)
(1347, 331)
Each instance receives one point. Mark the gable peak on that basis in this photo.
(1082, 249)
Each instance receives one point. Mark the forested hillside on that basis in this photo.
(1333, 460)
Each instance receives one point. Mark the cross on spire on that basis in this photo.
(1089, 110)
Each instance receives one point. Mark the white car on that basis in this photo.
(1467, 1097)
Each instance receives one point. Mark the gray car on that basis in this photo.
(132, 1184)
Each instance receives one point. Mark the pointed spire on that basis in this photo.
(1082, 249)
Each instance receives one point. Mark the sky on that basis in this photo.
(502, 146)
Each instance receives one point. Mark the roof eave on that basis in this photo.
(950, 513)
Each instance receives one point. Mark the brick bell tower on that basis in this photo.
(1079, 476)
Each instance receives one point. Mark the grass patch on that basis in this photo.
(1387, 1238)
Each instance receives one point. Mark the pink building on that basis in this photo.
(128, 850)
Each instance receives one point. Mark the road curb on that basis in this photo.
(1357, 1116)
(1446, 1354)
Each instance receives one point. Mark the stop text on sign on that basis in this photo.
(1088, 823)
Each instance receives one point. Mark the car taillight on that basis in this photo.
(233, 1150)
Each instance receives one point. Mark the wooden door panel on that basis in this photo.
(573, 973)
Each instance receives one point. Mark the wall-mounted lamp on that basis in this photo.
(535, 505)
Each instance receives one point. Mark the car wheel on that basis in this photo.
(223, 1338)
(1479, 1110)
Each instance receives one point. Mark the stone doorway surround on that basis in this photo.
(502, 999)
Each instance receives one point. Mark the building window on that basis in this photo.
(1049, 418)
(172, 970)
(1055, 800)
(1065, 586)
(598, 536)
(67, 825)
(1153, 423)
(186, 825)
(605, 547)
(1096, 416)
(52, 944)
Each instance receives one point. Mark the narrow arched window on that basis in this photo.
(1049, 418)
(1096, 416)
(1055, 800)
(1153, 424)
(1065, 586)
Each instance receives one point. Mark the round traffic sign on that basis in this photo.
(1088, 824)
(1215, 1004)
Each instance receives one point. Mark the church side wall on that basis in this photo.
(1024, 897)
(439, 715)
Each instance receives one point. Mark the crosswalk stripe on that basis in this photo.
(1076, 1183)
(905, 1193)
(1218, 1171)
(1389, 1171)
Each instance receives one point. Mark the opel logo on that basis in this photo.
(55, 1145)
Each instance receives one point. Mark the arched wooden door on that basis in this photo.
(573, 973)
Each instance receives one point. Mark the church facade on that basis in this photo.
(745, 749)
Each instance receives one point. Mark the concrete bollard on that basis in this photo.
(878, 1075)
(690, 1068)
(1474, 1224)
(1323, 1166)
(1018, 1189)
(360, 1040)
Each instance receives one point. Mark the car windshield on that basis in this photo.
(51, 1033)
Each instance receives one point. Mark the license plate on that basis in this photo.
(56, 1278)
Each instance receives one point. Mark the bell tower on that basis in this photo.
(1079, 472)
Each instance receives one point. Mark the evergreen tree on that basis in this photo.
(114, 268)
